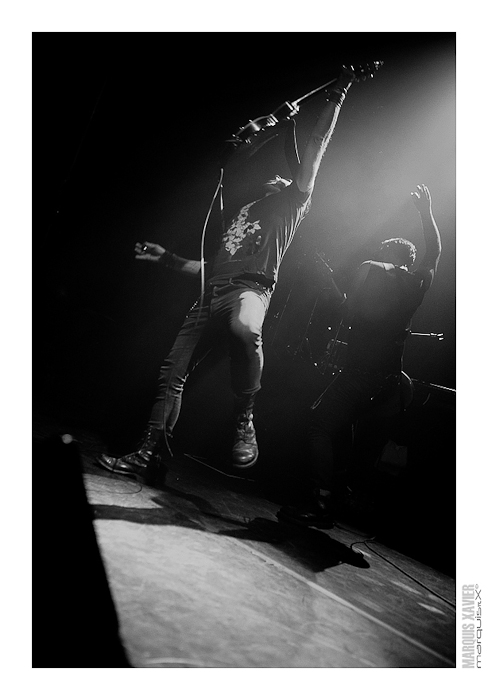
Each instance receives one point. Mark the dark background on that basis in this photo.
(128, 131)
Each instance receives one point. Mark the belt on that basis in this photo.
(246, 277)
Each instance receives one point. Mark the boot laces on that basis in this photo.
(245, 429)
(147, 443)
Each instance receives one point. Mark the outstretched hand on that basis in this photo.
(422, 200)
(149, 251)
(346, 77)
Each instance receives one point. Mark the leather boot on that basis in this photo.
(145, 464)
(245, 450)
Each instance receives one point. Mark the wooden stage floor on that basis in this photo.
(203, 575)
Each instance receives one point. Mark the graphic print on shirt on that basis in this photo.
(242, 232)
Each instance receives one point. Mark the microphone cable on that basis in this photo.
(202, 242)
(399, 568)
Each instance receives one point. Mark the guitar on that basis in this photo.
(287, 110)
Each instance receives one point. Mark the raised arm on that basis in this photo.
(320, 136)
(422, 200)
(156, 253)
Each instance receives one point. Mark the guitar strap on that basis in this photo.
(291, 149)
(222, 217)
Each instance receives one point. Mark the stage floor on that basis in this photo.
(203, 575)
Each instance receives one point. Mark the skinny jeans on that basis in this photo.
(231, 316)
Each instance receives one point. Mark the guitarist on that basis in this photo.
(384, 296)
(236, 299)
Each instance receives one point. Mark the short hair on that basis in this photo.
(405, 250)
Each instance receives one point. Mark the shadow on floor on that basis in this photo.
(312, 548)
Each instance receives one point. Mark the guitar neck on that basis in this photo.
(313, 92)
(364, 71)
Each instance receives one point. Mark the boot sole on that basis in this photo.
(246, 466)
(157, 480)
(120, 472)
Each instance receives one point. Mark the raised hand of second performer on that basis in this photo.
(149, 251)
(422, 200)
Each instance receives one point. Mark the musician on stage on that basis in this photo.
(241, 280)
(384, 295)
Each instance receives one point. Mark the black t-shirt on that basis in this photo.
(379, 317)
(259, 235)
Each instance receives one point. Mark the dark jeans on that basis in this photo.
(233, 311)
(349, 394)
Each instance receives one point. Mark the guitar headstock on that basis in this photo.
(368, 70)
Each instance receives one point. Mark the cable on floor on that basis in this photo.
(413, 578)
